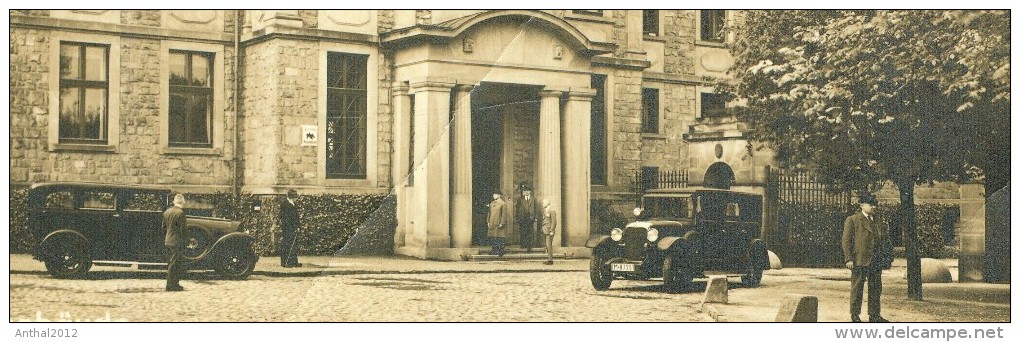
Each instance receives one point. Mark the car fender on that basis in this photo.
(668, 242)
(596, 241)
(234, 239)
(43, 248)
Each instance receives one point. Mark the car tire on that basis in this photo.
(196, 243)
(601, 274)
(68, 259)
(237, 264)
(676, 275)
(754, 266)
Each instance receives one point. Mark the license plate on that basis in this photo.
(622, 267)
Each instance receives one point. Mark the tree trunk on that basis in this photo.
(908, 222)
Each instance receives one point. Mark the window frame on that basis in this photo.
(346, 60)
(83, 85)
(113, 129)
(599, 114)
(703, 26)
(217, 72)
(207, 91)
(701, 105)
(647, 109)
(656, 17)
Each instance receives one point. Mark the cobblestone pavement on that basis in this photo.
(509, 295)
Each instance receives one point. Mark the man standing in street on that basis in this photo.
(866, 251)
(174, 223)
(548, 228)
(289, 222)
(496, 223)
(526, 215)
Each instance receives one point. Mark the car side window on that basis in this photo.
(144, 202)
(97, 200)
(60, 200)
(732, 210)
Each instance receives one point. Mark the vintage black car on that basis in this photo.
(683, 234)
(77, 225)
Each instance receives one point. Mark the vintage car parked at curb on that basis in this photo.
(683, 234)
(77, 225)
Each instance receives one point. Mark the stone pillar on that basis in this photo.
(432, 143)
(401, 150)
(549, 176)
(972, 233)
(460, 211)
(577, 166)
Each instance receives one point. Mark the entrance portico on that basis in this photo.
(433, 152)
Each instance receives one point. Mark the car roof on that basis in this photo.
(93, 185)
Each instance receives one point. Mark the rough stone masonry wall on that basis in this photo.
(669, 151)
(261, 126)
(680, 34)
(298, 105)
(29, 103)
(626, 134)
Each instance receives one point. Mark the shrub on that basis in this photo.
(604, 217)
(21, 240)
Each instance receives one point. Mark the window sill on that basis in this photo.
(595, 18)
(83, 148)
(657, 136)
(651, 38)
(347, 183)
(709, 43)
(191, 151)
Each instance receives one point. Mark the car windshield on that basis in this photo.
(678, 207)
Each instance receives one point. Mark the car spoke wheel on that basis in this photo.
(237, 264)
(68, 261)
(675, 276)
(196, 242)
(601, 275)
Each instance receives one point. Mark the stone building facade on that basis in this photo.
(438, 107)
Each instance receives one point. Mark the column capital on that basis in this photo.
(581, 94)
(400, 88)
(550, 93)
(433, 84)
(465, 88)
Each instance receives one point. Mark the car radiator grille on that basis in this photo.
(634, 239)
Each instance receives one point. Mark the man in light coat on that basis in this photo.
(548, 228)
(497, 223)
(866, 251)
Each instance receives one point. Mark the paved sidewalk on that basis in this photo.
(330, 265)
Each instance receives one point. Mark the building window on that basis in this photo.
(190, 120)
(588, 12)
(84, 93)
(712, 23)
(650, 19)
(346, 115)
(598, 130)
(712, 105)
(649, 110)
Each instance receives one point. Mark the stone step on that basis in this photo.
(512, 250)
(514, 256)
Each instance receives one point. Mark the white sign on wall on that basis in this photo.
(309, 135)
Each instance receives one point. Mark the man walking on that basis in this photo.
(496, 223)
(289, 222)
(526, 215)
(548, 229)
(174, 223)
(866, 251)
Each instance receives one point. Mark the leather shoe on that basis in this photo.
(855, 318)
(548, 262)
(175, 289)
(877, 319)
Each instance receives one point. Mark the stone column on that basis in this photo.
(548, 178)
(577, 166)
(460, 211)
(401, 153)
(432, 143)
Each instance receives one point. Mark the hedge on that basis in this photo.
(328, 222)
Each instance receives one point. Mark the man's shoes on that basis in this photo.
(548, 262)
(877, 319)
(855, 318)
(177, 288)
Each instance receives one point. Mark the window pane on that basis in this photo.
(650, 110)
(97, 200)
(178, 63)
(199, 70)
(61, 199)
(650, 22)
(95, 114)
(69, 61)
(176, 123)
(199, 119)
(95, 63)
(69, 117)
(712, 105)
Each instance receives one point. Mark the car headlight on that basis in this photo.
(616, 234)
(653, 234)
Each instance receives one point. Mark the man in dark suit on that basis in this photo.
(866, 251)
(526, 214)
(174, 223)
(289, 223)
(496, 222)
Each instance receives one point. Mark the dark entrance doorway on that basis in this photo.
(486, 161)
(719, 176)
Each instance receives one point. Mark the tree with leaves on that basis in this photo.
(864, 97)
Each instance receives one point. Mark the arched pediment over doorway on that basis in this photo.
(446, 31)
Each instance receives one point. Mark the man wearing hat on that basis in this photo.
(526, 214)
(289, 222)
(496, 222)
(866, 251)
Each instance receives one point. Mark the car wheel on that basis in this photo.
(754, 267)
(68, 260)
(675, 276)
(237, 264)
(196, 242)
(601, 275)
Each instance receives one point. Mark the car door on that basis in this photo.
(711, 226)
(142, 220)
(98, 216)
